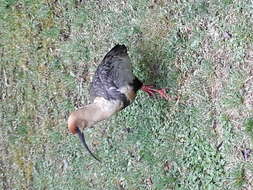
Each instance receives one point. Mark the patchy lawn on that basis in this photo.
(201, 50)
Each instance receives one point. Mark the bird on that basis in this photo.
(113, 88)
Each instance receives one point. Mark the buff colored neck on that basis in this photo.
(89, 115)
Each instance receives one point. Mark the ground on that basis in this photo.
(200, 50)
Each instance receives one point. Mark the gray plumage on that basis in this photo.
(114, 72)
(113, 88)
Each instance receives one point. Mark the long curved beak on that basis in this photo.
(81, 136)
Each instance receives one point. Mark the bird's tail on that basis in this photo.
(118, 50)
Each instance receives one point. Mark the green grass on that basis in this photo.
(201, 50)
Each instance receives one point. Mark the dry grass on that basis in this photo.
(200, 50)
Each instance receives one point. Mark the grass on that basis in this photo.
(201, 50)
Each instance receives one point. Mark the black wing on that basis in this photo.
(105, 81)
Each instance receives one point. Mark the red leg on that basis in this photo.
(151, 90)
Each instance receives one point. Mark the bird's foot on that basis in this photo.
(151, 90)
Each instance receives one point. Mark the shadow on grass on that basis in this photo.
(156, 67)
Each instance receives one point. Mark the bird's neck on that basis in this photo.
(99, 110)
(91, 114)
